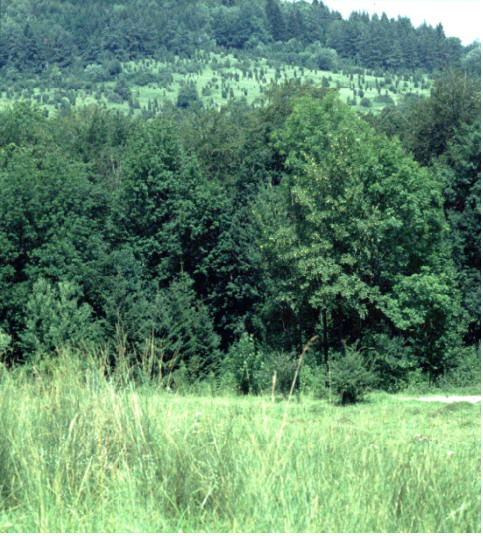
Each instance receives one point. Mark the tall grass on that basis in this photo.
(85, 453)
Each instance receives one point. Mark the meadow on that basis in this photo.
(146, 86)
(83, 452)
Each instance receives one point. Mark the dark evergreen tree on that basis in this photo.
(276, 22)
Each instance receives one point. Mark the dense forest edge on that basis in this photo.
(208, 244)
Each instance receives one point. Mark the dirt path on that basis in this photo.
(473, 399)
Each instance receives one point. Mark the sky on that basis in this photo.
(460, 18)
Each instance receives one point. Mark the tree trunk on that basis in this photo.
(325, 338)
(325, 343)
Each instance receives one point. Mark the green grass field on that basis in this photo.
(218, 79)
(85, 454)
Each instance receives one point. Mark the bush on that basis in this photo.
(350, 376)
(392, 361)
(466, 372)
(122, 89)
(313, 380)
(244, 364)
(284, 366)
(366, 102)
(114, 67)
(384, 99)
(5, 341)
(95, 72)
(114, 98)
(187, 96)
(142, 78)
(55, 317)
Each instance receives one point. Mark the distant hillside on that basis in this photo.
(39, 35)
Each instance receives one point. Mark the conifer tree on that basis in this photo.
(275, 19)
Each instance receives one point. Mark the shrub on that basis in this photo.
(245, 363)
(466, 372)
(187, 96)
(5, 341)
(143, 78)
(95, 72)
(114, 67)
(350, 376)
(114, 98)
(122, 89)
(56, 317)
(284, 366)
(313, 380)
(392, 361)
(366, 102)
(384, 99)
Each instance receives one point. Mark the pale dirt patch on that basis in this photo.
(472, 399)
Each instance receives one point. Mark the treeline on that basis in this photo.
(219, 242)
(37, 35)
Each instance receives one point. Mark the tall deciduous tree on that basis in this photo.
(353, 220)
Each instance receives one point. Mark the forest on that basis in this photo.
(38, 35)
(239, 270)
(218, 239)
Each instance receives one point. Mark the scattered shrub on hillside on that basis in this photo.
(142, 78)
(187, 96)
(114, 67)
(95, 72)
(114, 98)
(122, 89)
(384, 99)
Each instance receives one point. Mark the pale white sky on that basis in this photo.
(460, 18)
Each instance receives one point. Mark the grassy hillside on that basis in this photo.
(79, 453)
(149, 85)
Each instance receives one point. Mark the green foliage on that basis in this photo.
(423, 307)
(181, 327)
(392, 360)
(314, 381)
(353, 219)
(48, 228)
(187, 96)
(444, 132)
(179, 231)
(55, 317)
(94, 37)
(156, 198)
(455, 100)
(245, 362)
(114, 67)
(459, 168)
(466, 372)
(350, 375)
(384, 99)
(5, 340)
